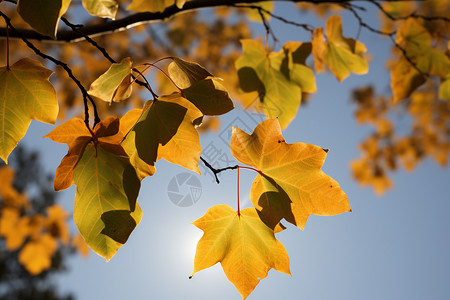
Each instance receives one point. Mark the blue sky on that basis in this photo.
(390, 247)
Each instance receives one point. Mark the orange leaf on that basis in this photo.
(291, 184)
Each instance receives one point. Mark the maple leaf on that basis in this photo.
(277, 77)
(291, 184)
(200, 87)
(43, 15)
(25, 94)
(115, 83)
(153, 5)
(165, 129)
(246, 248)
(101, 8)
(342, 55)
(107, 185)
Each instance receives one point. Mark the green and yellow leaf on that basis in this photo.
(114, 84)
(101, 8)
(246, 248)
(291, 184)
(340, 54)
(269, 75)
(25, 94)
(105, 200)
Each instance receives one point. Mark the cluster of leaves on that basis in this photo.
(420, 71)
(108, 161)
(35, 236)
(34, 239)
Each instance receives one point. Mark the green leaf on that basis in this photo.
(107, 185)
(342, 55)
(279, 96)
(210, 96)
(25, 94)
(165, 130)
(101, 8)
(43, 15)
(114, 84)
(153, 5)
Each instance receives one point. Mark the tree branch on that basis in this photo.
(138, 19)
(217, 171)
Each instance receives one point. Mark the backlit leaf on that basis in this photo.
(246, 248)
(114, 84)
(257, 71)
(105, 182)
(210, 96)
(165, 129)
(25, 94)
(101, 8)
(43, 15)
(200, 87)
(76, 135)
(185, 73)
(342, 55)
(291, 184)
(153, 5)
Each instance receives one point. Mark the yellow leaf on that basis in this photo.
(101, 8)
(57, 223)
(185, 73)
(165, 129)
(444, 89)
(342, 55)
(405, 79)
(246, 248)
(291, 184)
(36, 255)
(13, 228)
(25, 94)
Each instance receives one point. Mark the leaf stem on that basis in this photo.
(165, 74)
(7, 47)
(238, 202)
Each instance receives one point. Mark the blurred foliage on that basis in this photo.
(34, 236)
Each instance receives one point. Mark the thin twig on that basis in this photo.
(217, 171)
(65, 67)
(91, 41)
(412, 15)
(307, 27)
